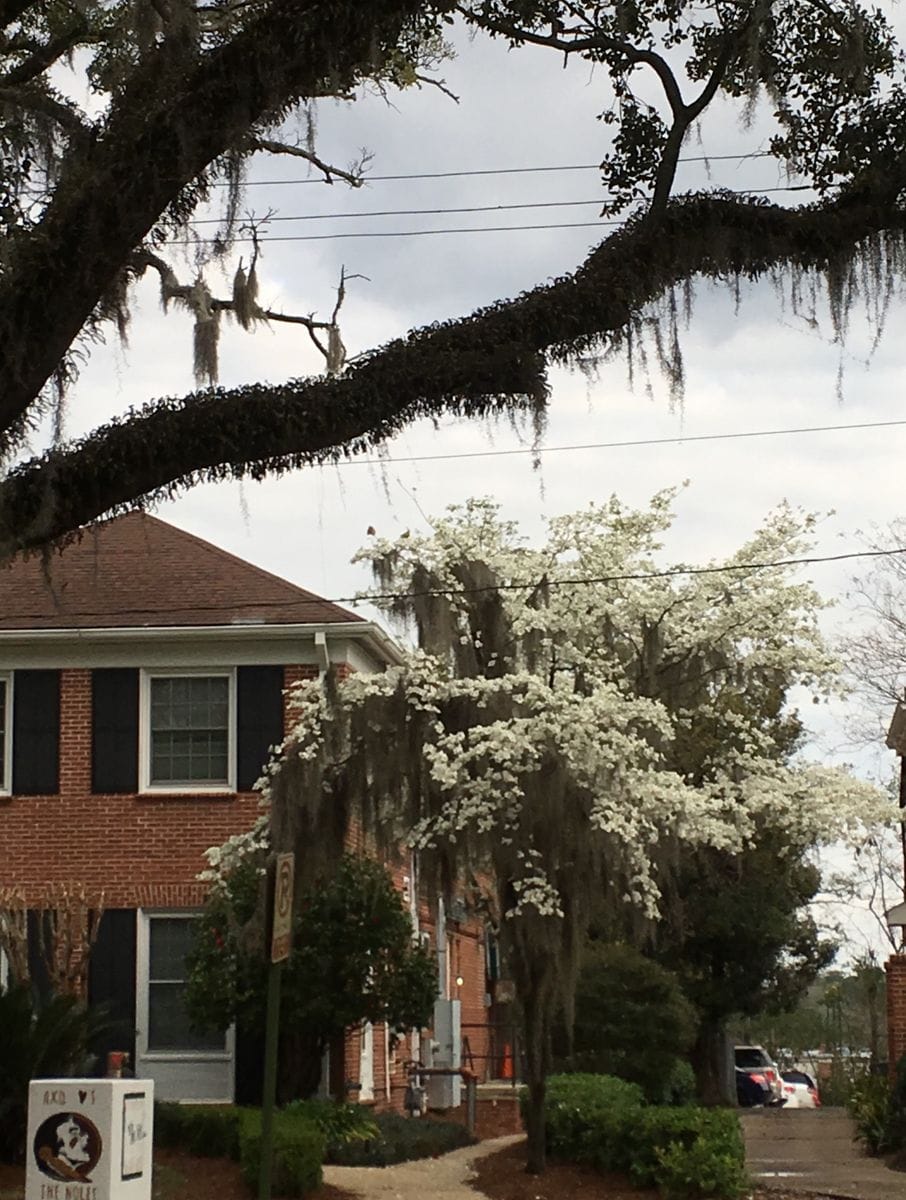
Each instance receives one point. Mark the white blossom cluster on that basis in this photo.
(223, 860)
(582, 699)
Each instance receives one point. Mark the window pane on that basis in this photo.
(190, 729)
(170, 940)
(168, 1022)
(169, 1028)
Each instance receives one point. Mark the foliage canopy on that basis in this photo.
(182, 95)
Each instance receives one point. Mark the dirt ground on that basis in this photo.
(180, 1177)
(501, 1176)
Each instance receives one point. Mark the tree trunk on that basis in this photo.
(710, 1060)
(537, 1025)
(536, 1157)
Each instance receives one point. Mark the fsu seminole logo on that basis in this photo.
(67, 1146)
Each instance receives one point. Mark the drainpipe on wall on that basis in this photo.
(441, 948)
(322, 652)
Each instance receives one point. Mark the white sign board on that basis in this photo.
(281, 937)
(89, 1139)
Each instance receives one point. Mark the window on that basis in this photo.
(188, 724)
(168, 1024)
(5, 732)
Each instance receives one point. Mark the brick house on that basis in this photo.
(142, 679)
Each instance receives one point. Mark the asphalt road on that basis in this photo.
(813, 1150)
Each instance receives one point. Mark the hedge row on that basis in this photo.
(683, 1151)
(347, 1134)
(220, 1132)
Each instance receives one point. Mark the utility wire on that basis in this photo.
(481, 208)
(705, 158)
(583, 580)
(576, 581)
(394, 233)
(663, 441)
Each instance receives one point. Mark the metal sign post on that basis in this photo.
(280, 911)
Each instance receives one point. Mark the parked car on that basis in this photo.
(762, 1072)
(800, 1089)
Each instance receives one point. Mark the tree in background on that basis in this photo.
(841, 1014)
(531, 740)
(353, 960)
(183, 95)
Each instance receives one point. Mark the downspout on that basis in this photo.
(322, 653)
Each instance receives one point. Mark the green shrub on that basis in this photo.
(400, 1139)
(49, 1040)
(341, 1124)
(587, 1116)
(618, 992)
(206, 1130)
(298, 1152)
(680, 1087)
(689, 1151)
(684, 1151)
(868, 1105)
(879, 1111)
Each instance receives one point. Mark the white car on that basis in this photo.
(799, 1090)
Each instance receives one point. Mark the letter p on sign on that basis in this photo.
(282, 926)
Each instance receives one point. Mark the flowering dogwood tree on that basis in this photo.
(532, 738)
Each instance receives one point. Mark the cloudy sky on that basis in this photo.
(761, 368)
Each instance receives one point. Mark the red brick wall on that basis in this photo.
(896, 1009)
(146, 851)
(141, 851)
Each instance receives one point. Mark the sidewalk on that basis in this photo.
(813, 1151)
(443, 1178)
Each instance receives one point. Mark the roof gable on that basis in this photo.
(136, 571)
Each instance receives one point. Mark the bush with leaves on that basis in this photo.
(298, 1152)
(353, 960)
(50, 1040)
(683, 1152)
(878, 1108)
(618, 992)
(400, 1139)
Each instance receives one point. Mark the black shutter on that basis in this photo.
(36, 733)
(259, 720)
(111, 983)
(114, 730)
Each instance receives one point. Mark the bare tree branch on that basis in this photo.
(355, 178)
(582, 43)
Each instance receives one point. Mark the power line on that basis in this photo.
(663, 441)
(574, 581)
(396, 233)
(480, 208)
(418, 212)
(584, 580)
(703, 158)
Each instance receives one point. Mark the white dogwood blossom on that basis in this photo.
(561, 694)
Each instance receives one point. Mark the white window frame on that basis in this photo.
(6, 776)
(143, 996)
(144, 731)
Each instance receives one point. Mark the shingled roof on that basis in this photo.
(136, 571)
